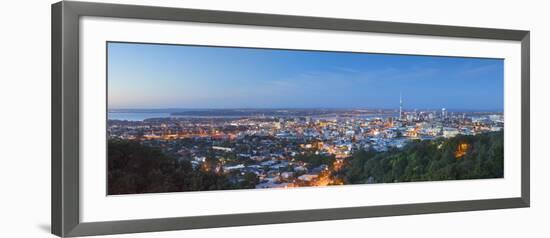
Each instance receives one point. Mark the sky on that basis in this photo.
(148, 76)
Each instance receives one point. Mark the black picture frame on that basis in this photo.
(65, 118)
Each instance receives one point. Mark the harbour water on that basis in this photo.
(136, 116)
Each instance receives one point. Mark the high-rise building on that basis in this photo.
(400, 106)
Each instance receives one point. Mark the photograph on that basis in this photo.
(199, 118)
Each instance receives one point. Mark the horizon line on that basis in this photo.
(293, 108)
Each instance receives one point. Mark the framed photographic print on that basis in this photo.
(168, 119)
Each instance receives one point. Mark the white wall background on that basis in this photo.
(25, 118)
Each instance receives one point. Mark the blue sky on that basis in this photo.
(178, 76)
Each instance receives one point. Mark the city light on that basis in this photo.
(297, 148)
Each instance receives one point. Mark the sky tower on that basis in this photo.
(400, 105)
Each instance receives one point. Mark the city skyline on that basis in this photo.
(152, 76)
(201, 118)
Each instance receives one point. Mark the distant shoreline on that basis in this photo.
(143, 114)
(187, 110)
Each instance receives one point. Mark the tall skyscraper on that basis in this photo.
(400, 105)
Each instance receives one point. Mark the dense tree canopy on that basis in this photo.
(461, 157)
(135, 168)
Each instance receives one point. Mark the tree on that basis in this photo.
(136, 168)
(250, 180)
(431, 161)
